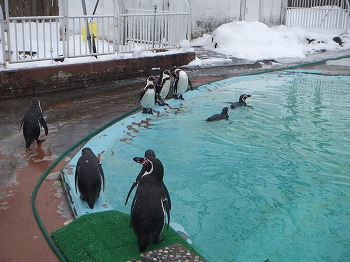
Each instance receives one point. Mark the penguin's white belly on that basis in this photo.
(182, 84)
(165, 90)
(148, 99)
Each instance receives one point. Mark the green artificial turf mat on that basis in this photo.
(106, 236)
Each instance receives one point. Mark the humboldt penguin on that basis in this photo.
(147, 97)
(181, 83)
(241, 102)
(140, 160)
(32, 122)
(89, 177)
(150, 204)
(163, 86)
(217, 117)
(148, 153)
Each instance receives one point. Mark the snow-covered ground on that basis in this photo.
(251, 41)
(255, 41)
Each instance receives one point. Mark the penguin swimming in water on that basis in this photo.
(217, 117)
(181, 83)
(163, 86)
(89, 177)
(32, 122)
(147, 97)
(241, 102)
(150, 204)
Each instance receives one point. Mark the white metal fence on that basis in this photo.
(319, 14)
(25, 39)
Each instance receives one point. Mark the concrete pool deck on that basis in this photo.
(71, 115)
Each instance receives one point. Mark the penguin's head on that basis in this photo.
(166, 72)
(35, 101)
(150, 80)
(150, 152)
(153, 167)
(243, 97)
(175, 72)
(224, 111)
(86, 151)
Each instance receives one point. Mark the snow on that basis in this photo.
(255, 41)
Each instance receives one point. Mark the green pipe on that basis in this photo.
(52, 166)
(46, 173)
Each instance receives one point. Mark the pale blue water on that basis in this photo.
(273, 182)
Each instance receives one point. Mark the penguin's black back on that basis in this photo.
(147, 211)
(31, 122)
(89, 177)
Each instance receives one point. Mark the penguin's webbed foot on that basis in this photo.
(181, 97)
(150, 111)
(40, 140)
(158, 240)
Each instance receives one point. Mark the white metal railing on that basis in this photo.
(319, 14)
(25, 39)
(151, 29)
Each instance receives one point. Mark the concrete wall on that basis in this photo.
(206, 14)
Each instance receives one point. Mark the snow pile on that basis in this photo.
(256, 41)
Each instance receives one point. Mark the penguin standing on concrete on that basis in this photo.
(163, 86)
(89, 177)
(221, 116)
(181, 83)
(150, 204)
(32, 122)
(147, 97)
(241, 102)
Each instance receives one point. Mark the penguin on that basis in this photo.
(217, 117)
(181, 83)
(150, 205)
(163, 86)
(32, 122)
(241, 102)
(89, 177)
(148, 153)
(147, 97)
(140, 160)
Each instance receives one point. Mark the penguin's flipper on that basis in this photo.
(102, 176)
(166, 206)
(43, 124)
(21, 125)
(167, 196)
(142, 94)
(190, 84)
(131, 189)
(76, 176)
(159, 100)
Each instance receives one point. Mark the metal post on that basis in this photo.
(2, 39)
(7, 25)
(88, 36)
(154, 26)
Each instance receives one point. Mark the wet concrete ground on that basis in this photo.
(70, 116)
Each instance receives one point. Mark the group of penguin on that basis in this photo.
(156, 90)
(151, 205)
(224, 113)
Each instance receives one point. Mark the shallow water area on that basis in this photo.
(272, 182)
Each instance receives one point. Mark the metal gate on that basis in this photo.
(319, 14)
(31, 38)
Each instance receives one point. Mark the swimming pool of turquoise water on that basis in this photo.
(272, 182)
